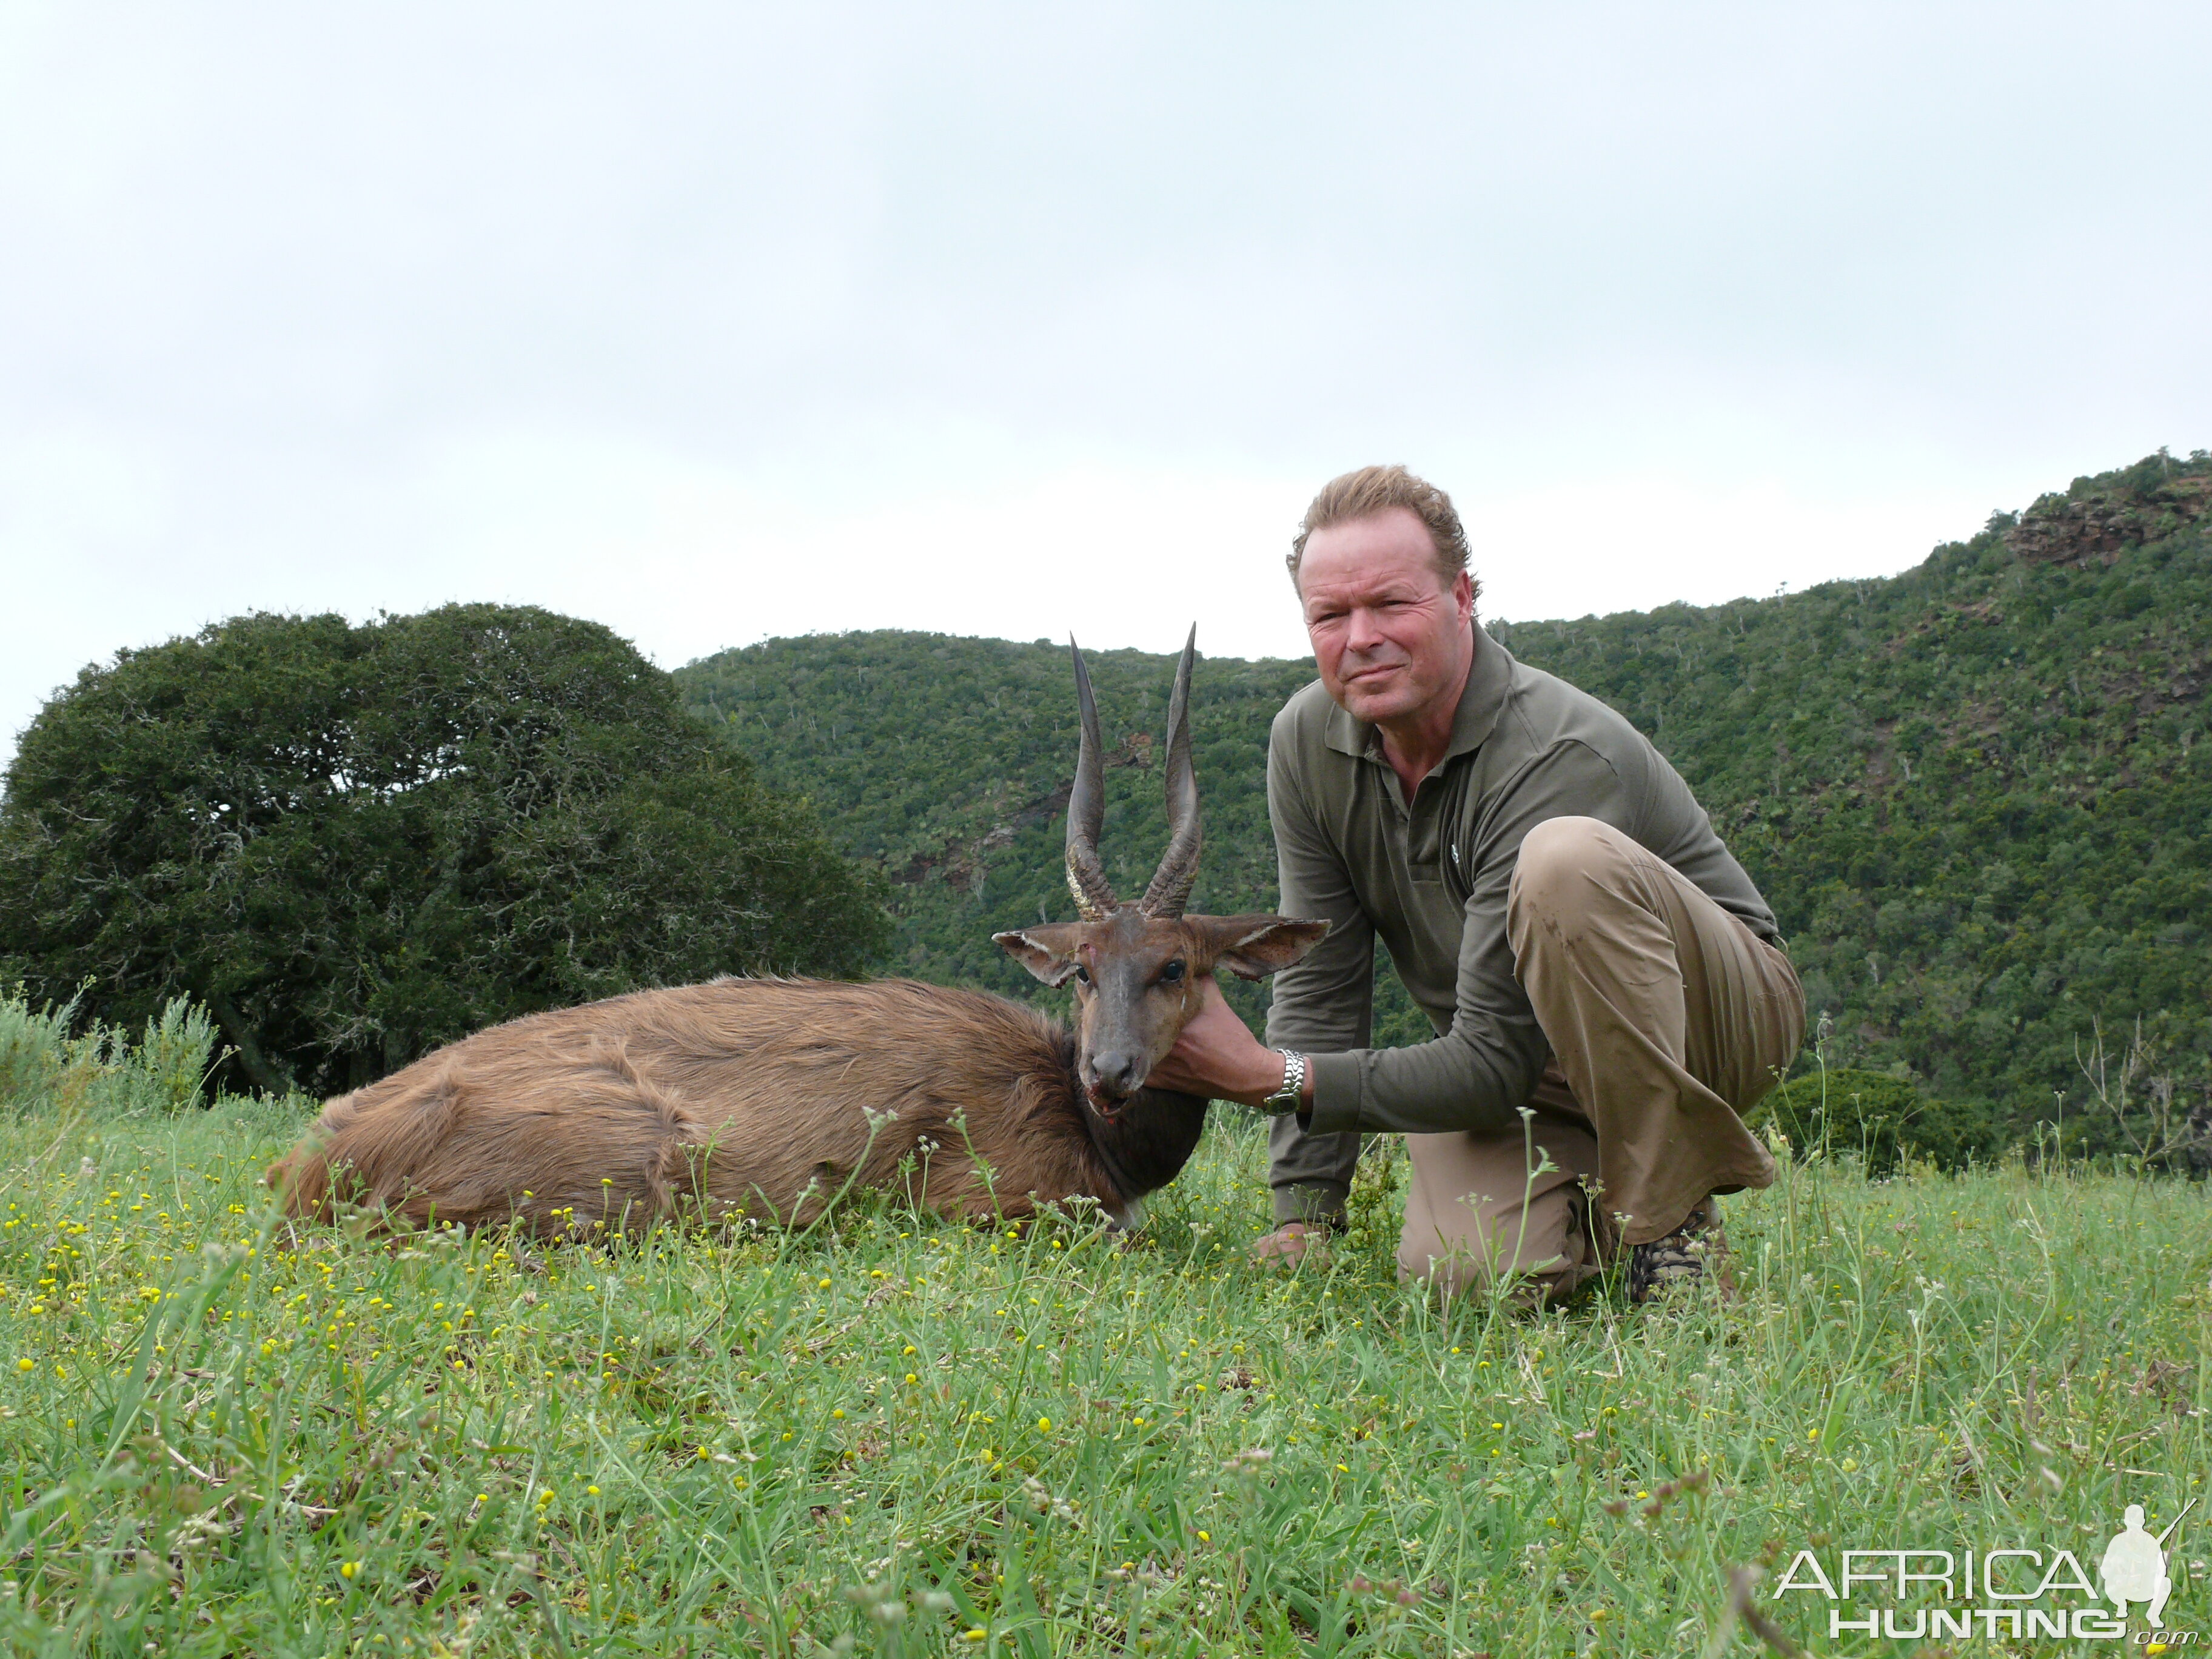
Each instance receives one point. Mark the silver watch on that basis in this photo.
(1289, 1097)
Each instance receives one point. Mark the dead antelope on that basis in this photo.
(770, 1098)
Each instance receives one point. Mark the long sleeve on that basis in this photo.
(1477, 1074)
(1324, 1003)
(1430, 878)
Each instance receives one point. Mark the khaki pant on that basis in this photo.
(1668, 1018)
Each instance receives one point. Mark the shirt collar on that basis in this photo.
(1480, 702)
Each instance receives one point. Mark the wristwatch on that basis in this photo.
(1291, 1096)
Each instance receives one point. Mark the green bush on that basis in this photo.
(354, 844)
(33, 1044)
(1879, 1118)
(99, 1070)
(175, 1055)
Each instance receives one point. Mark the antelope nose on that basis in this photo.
(1118, 1072)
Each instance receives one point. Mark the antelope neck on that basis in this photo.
(1144, 1145)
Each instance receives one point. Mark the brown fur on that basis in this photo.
(770, 1098)
(739, 1097)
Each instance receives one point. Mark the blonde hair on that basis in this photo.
(1374, 489)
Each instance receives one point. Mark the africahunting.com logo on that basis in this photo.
(1916, 1595)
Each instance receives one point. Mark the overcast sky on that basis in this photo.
(718, 322)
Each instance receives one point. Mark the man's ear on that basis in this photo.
(1048, 952)
(1252, 947)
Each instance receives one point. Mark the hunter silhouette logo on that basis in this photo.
(2134, 1567)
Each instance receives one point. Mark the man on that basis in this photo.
(1606, 985)
(2134, 1567)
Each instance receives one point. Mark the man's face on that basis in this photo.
(1389, 633)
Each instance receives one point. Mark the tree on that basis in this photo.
(355, 844)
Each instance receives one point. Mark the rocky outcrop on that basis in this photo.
(2091, 523)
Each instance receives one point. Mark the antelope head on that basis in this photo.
(1137, 969)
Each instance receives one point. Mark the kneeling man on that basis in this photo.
(1553, 899)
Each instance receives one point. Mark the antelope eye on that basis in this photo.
(1083, 974)
(1171, 973)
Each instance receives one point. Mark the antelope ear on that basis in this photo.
(1048, 952)
(1252, 947)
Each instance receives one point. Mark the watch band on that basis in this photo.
(1290, 1096)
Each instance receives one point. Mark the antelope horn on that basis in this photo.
(1171, 882)
(1087, 808)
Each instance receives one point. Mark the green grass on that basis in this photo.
(898, 1435)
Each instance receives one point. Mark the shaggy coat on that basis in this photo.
(759, 1098)
(768, 1098)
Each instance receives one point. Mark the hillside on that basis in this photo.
(1977, 794)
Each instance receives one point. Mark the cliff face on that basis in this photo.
(2096, 518)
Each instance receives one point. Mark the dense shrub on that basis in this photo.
(48, 1062)
(355, 843)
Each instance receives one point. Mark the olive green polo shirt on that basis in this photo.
(1429, 878)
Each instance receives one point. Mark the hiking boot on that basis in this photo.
(1693, 1251)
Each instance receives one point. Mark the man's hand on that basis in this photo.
(1217, 1057)
(1291, 1244)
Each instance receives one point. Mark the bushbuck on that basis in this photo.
(771, 1098)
